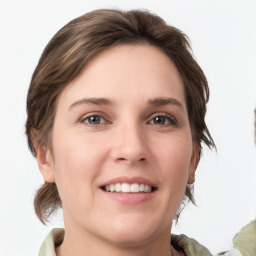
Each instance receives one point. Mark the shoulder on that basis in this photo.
(245, 239)
(54, 238)
(189, 245)
(244, 242)
(233, 252)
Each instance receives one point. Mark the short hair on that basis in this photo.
(80, 40)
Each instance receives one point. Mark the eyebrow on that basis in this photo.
(107, 102)
(94, 101)
(165, 101)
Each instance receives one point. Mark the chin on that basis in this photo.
(133, 233)
(131, 239)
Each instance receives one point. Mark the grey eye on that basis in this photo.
(159, 120)
(93, 120)
(162, 120)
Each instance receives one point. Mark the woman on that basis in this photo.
(116, 110)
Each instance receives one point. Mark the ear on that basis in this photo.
(44, 161)
(194, 163)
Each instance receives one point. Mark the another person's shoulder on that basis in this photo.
(245, 239)
(244, 242)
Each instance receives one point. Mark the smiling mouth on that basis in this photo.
(128, 188)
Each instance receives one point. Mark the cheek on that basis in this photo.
(74, 152)
(173, 157)
(175, 154)
(175, 164)
(75, 164)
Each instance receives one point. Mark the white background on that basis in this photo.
(223, 36)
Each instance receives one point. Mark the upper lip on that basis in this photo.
(129, 180)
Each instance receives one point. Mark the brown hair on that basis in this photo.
(75, 44)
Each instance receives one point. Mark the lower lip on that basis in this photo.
(129, 198)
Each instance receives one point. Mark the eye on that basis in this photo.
(93, 120)
(163, 120)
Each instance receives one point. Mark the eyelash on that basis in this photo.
(170, 119)
(86, 118)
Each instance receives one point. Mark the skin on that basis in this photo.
(135, 135)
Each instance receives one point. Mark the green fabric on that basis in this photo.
(245, 240)
(54, 238)
(190, 246)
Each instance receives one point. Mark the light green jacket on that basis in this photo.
(190, 246)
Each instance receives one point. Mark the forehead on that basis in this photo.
(134, 71)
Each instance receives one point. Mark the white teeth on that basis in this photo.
(112, 188)
(135, 188)
(118, 187)
(128, 188)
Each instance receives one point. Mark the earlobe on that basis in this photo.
(45, 162)
(194, 163)
(191, 178)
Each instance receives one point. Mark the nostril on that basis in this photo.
(131, 160)
(121, 159)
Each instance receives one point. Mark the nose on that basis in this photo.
(130, 145)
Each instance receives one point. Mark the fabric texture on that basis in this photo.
(245, 240)
(232, 252)
(53, 239)
(181, 242)
(190, 246)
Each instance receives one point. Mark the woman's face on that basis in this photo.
(120, 126)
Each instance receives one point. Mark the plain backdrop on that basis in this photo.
(223, 37)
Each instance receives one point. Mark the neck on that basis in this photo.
(81, 243)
